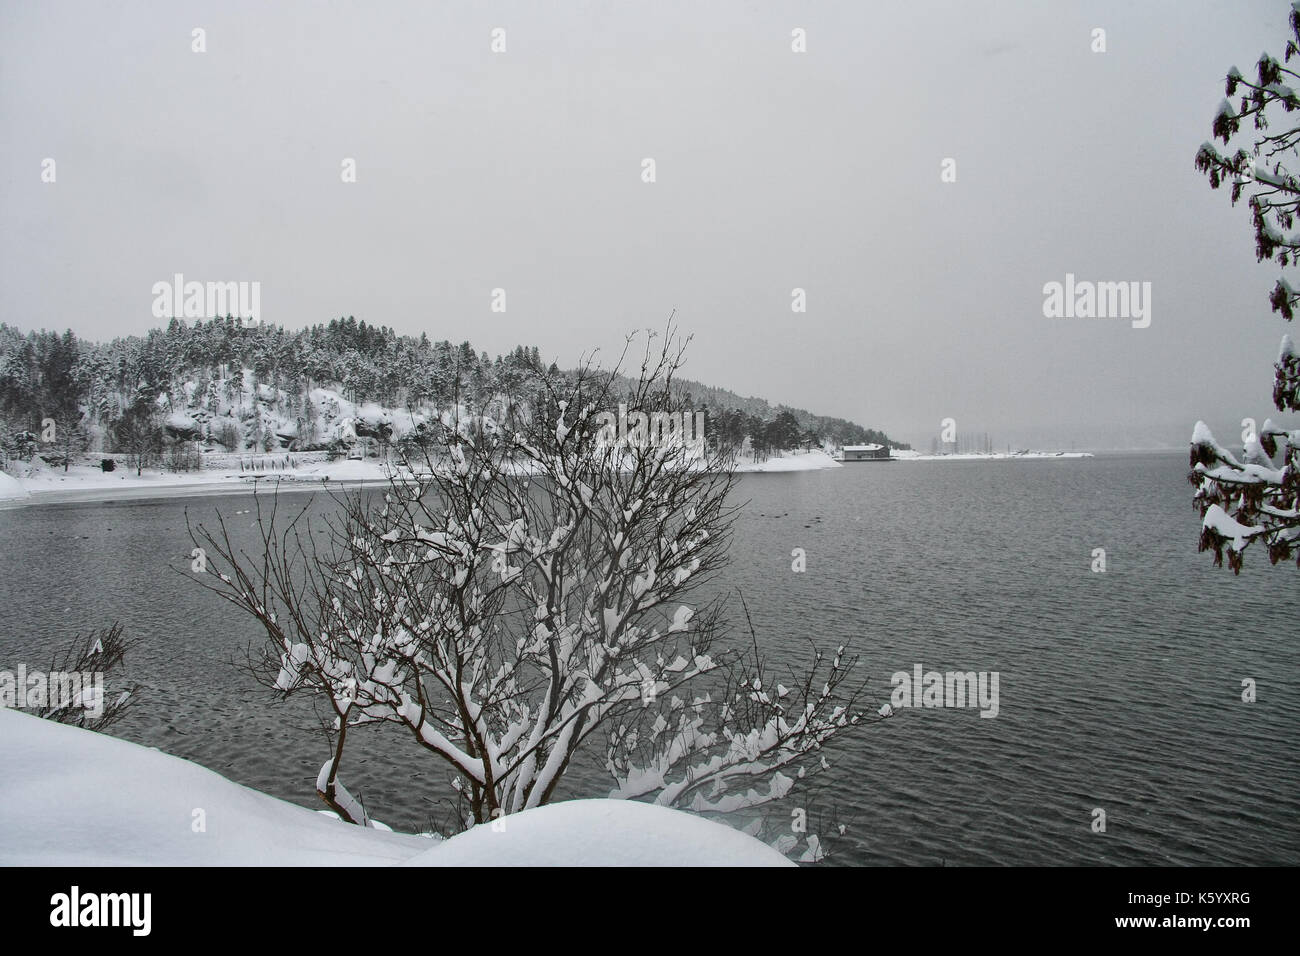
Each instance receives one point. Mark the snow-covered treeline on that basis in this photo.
(259, 388)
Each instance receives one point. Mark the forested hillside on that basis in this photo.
(238, 387)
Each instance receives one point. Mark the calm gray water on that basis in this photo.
(1119, 691)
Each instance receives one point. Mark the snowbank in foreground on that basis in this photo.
(603, 833)
(70, 797)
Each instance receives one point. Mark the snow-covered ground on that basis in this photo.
(70, 797)
(607, 832)
(11, 489)
(38, 483)
(805, 461)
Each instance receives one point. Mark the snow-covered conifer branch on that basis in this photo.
(1255, 497)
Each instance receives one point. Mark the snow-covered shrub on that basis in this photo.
(517, 598)
(102, 652)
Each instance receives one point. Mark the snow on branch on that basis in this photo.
(1255, 497)
(518, 595)
(1248, 499)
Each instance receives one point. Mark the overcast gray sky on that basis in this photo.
(775, 170)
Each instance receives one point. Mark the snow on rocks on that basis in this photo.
(181, 423)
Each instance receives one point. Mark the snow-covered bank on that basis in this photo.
(43, 485)
(70, 797)
(995, 456)
(583, 832)
(82, 482)
(809, 461)
(11, 490)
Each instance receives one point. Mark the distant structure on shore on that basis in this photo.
(865, 453)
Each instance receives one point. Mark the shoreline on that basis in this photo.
(197, 489)
(1000, 456)
(84, 483)
(91, 485)
(88, 484)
